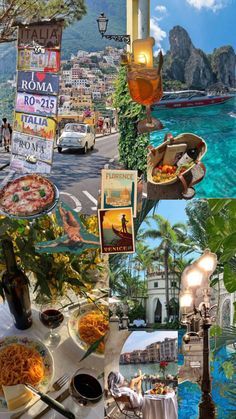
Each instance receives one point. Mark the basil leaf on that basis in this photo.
(26, 188)
(15, 198)
(42, 193)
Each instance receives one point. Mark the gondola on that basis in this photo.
(124, 236)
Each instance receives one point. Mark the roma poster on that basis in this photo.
(119, 189)
(116, 230)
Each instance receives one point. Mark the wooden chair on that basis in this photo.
(125, 407)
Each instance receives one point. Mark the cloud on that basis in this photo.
(157, 32)
(214, 5)
(161, 9)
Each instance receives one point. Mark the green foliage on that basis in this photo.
(54, 273)
(215, 330)
(132, 147)
(137, 312)
(228, 368)
(30, 10)
(213, 225)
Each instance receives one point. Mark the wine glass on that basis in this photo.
(52, 317)
(86, 389)
(145, 86)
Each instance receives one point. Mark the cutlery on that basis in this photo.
(60, 399)
(54, 404)
(56, 386)
(60, 382)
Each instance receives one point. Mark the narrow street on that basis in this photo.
(77, 176)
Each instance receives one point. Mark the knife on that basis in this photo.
(54, 404)
(59, 398)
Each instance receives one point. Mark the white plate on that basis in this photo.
(73, 327)
(45, 384)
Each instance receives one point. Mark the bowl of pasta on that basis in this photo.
(88, 325)
(23, 360)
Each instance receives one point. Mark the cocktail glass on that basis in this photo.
(145, 86)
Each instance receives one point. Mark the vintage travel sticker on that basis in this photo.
(37, 82)
(20, 165)
(33, 148)
(119, 189)
(36, 104)
(76, 238)
(35, 125)
(48, 61)
(116, 230)
(45, 35)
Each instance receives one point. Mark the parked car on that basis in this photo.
(77, 136)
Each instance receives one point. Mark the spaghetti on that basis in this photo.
(20, 364)
(92, 327)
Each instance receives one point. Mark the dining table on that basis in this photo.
(66, 357)
(160, 406)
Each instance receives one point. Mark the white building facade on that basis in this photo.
(156, 302)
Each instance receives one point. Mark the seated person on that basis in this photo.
(118, 387)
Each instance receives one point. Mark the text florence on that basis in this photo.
(36, 86)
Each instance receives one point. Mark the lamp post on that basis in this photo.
(196, 314)
(102, 22)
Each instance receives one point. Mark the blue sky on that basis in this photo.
(172, 210)
(210, 23)
(139, 340)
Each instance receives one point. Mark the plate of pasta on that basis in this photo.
(89, 324)
(24, 360)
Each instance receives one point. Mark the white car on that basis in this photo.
(78, 136)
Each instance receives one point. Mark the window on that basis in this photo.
(155, 284)
(173, 283)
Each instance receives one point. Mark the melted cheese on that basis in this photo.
(16, 396)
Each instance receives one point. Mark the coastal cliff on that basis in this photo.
(193, 68)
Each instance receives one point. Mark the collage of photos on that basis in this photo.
(117, 209)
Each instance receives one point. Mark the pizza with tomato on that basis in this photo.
(27, 195)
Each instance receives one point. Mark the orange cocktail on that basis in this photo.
(145, 86)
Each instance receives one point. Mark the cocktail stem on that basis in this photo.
(149, 116)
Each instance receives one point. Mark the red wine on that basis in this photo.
(87, 386)
(51, 318)
(16, 289)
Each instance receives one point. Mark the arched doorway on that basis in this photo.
(158, 312)
(225, 313)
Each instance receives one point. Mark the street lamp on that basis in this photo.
(195, 308)
(102, 21)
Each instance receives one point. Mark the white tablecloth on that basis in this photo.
(160, 408)
(66, 360)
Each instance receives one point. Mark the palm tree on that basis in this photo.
(170, 236)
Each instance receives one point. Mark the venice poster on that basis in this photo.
(116, 230)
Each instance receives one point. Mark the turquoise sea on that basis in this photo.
(216, 124)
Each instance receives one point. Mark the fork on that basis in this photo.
(60, 382)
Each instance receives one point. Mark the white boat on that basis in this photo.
(191, 98)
